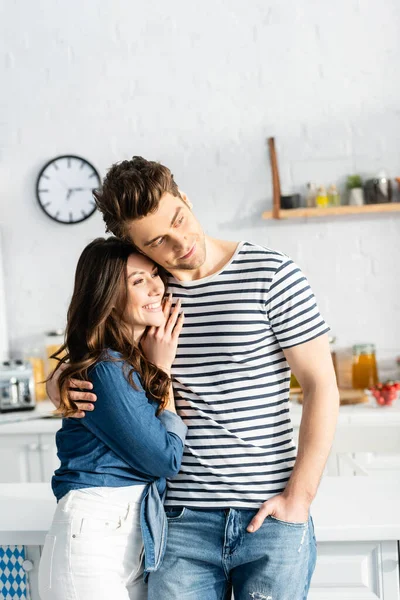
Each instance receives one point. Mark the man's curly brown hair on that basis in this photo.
(131, 190)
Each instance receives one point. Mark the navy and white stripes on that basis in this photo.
(231, 379)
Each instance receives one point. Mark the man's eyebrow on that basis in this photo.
(178, 210)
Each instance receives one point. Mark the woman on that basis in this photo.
(109, 518)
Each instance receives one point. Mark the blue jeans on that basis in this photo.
(209, 553)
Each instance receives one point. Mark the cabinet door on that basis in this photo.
(356, 571)
(20, 459)
(48, 456)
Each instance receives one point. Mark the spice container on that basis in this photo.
(365, 371)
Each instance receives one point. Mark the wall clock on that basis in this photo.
(64, 189)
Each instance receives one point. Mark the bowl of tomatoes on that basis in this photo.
(385, 394)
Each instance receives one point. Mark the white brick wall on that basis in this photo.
(199, 85)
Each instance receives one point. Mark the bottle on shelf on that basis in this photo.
(311, 195)
(321, 200)
(333, 196)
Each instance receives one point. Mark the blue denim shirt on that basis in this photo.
(122, 442)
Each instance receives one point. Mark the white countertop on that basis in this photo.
(39, 420)
(33, 422)
(346, 509)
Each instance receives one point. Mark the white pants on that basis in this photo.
(94, 549)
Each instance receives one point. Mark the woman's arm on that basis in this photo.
(126, 422)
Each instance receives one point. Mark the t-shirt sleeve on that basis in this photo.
(125, 421)
(292, 308)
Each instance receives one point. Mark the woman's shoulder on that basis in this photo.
(112, 363)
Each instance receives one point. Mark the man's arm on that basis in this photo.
(311, 363)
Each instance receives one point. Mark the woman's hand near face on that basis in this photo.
(160, 343)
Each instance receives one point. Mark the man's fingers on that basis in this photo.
(83, 407)
(76, 383)
(81, 396)
(79, 414)
(259, 518)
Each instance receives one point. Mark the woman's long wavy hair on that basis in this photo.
(94, 323)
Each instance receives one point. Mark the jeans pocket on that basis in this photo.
(289, 523)
(94, 528)
(46, 565)
(174, 514)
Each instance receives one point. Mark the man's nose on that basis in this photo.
(179, 243)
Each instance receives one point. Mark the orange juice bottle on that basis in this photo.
(365, 371)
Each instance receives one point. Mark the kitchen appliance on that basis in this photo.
(17, 386)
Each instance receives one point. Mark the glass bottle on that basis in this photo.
(365, 370)
(311, 195)
(333, 196)
(321, 200)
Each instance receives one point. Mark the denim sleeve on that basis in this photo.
(125, 421)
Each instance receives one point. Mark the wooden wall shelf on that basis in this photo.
(332, 211)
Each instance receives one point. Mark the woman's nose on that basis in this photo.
(156, 290)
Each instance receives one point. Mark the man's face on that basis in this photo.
(172, 236)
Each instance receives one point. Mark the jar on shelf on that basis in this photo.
(365, 370)
(54, 340)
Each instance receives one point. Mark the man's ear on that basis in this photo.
(186, 199)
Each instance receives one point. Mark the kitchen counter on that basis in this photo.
(346, 509)
(40, 420)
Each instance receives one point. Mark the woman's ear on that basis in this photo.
(186, 200)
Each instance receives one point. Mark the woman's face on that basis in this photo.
(145, 294)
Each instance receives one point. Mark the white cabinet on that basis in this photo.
(20, 459)
(356, 571)
(27, 458)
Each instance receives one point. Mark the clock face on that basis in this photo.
(64, 189)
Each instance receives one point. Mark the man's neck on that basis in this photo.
(218, 254)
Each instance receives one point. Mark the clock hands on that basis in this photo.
(77, 189)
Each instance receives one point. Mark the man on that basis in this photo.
(238, 512)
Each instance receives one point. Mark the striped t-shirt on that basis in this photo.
(231, 379)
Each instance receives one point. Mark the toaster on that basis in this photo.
(17, 389)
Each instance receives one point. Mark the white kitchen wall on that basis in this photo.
(199, 85)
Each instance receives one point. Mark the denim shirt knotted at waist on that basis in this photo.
(154, 526)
